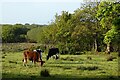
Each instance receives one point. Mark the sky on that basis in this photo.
(34, 11)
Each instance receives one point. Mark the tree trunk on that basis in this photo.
(95, 46)
(108, 48)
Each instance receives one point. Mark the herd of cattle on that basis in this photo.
(36, 55)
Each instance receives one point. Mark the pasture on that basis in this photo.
(82, 67)
(67, 67)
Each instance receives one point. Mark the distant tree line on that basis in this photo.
(17, 32)
(94, 26)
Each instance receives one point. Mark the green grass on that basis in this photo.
(68, 66)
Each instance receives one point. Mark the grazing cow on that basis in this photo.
(33, 56)
(52, 52)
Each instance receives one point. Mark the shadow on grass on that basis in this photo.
(65, 62)
(9, 76)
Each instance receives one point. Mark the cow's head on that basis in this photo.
(47, 57)
(42, 62)
(57, 57)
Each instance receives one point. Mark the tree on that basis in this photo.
(85, 18)
(75, 32)
(109, 12)
(14, 33)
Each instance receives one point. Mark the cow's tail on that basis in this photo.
(22, 60)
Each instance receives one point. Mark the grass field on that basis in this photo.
(67, 67)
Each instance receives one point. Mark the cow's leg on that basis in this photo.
(25, 58)
(42, 62)
(57, 56)
(24, 61)
(34, 61)
(54, 56)
(31, 62)
(40, 56)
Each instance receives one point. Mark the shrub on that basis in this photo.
(44, 73)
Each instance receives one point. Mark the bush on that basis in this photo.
(44, 73)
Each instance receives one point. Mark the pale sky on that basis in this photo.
(34, 11)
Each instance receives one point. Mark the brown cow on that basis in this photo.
(33, 56)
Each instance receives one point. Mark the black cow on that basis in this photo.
(52, 52)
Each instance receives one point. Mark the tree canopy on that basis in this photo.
(109, 13)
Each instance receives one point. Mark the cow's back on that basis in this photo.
(53, 51)
(36, 56)
(31, 55)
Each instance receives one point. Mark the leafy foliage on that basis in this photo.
(14, 33)
(109, 13)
